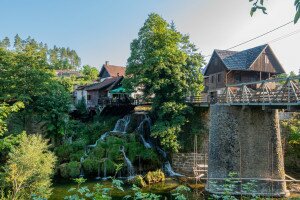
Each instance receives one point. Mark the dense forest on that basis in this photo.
(56, 57)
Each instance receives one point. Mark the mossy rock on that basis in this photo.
(155, 177)
(138, 181)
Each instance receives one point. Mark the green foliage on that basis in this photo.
(81, 107)
(90, 73)
(79, 181)
(91, 166)
(155, 177)
(25, 77)
(5, 111)
(171, 118)
(29, 168)
(259, 5)
(71, 169)
(139, 195)
(178, 192)
(5, 43)
(292, 127)
(139, 181)
(100, 192)
(164, 64)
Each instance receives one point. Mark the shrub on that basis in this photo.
(29, 168)
(139, 181)
(63, 152)
(70, 170)
(90, 166)
(155, 177)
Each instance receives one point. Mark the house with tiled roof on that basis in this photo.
(230, 67)
(108, 71)
(108, 89)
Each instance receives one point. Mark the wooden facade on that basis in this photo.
(229, 67)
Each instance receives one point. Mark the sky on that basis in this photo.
(102, 30)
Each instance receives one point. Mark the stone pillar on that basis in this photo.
(246, 142)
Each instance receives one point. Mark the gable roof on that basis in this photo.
(106, 84)
(243, 60)
(113, 70)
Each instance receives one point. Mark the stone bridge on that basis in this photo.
(244, 137)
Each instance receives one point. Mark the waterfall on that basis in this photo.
(146, 144)
(104, 170)
(102, 137)
(130, 167)
(141, 130)
(122, 124)
(168, 169)
(81, 167)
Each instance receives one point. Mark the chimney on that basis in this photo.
(106, 63)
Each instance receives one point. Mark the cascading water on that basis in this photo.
(130, 167)
(146, 144)
(141, 130)
(168, 169)
(122, 124)
(166, 166)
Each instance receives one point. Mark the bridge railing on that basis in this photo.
(281, 91)
(203, 98)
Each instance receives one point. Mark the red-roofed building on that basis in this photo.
(98, 93)
(108, 71)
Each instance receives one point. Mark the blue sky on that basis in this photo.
(102, 30)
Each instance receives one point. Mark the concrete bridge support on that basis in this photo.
(246, 142)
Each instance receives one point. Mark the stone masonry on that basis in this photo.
(183, 163)
(245, 141)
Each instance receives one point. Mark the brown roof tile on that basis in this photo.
(115, 71)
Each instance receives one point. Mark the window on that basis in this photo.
(212, 79)
(88, 97)
(219, 78)
(238, 78)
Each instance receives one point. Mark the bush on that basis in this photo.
(139, 181)
(155, 177)
(70, 170)
(63, 152)
(91, 166)
(29, 168)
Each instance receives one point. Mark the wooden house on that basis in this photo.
(98, 92)
(230, 67)
(109, 71)
(107, 90)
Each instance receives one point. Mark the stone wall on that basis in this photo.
(246, 141)
(183, 163)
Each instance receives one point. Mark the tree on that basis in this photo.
(30, 167)
(25, 76)
(18, 44)
(90, 73)
(5, 43)
(164, 64)
(259, 5)
(5, 111)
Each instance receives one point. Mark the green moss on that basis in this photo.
(139, 181)
(155, 177)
